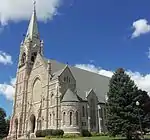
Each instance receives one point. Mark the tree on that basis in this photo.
(7, 125)
(122, 111)
(3, 124)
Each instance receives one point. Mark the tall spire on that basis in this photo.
(33, 27)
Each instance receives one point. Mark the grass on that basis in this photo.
(89, 138)
(95, 138)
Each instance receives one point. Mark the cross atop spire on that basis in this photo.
(33, 27)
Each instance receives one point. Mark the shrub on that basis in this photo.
(43, 134)
(38, 133)
(69, 135)
(54, 132)
(49, 132)
(59, 132)
(85, 133)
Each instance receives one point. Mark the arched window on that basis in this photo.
(77, 118)
(33, 56)
(52, 99)
(70, 116)
(83, 111)
(23, 58)
(53, 119)
(64, 79)
(93, 113)
(64, 118)
(16, 124)
(32, 59)
(50, 119)
(69, 80)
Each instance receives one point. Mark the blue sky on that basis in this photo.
(96, 35)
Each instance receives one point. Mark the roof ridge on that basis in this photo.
(73, 66)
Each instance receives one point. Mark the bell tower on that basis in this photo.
(30, 47)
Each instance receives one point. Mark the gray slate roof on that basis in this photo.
(58, 73)
(85, 80)
(69, 96)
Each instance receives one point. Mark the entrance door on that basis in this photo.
(32, 119)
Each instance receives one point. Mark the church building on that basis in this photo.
(53, 95)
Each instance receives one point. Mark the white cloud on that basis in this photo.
(142, 81)
(8, 90)
(13, 81)
(140, 26)
(5, 58)
(17, 10)
(93, 68)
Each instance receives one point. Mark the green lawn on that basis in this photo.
(88, 138)
(93, 138)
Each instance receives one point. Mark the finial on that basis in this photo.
(42, 42)
(34, 5)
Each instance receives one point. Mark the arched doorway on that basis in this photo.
(16, 127)
(20, 127)
(32, 119)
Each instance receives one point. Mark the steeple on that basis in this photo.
(32, 44)
(32, 31)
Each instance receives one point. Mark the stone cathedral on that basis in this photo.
(53, 95)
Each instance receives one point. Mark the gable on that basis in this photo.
(39, 61)
(91, 95)
(67, 77)
(38, 71)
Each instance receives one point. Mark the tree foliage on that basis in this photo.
(4, 124)
(7, 125)
(122, 110)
